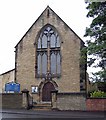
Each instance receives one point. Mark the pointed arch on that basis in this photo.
(44, 85)
(48, 50)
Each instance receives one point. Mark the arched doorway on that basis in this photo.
(46, 91)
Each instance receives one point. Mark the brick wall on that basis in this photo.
(71, 101)
(11, 100)
(96, 104)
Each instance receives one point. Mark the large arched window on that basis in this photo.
(48, 53)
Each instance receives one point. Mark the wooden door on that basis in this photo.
(46, 91)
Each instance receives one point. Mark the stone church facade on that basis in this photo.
(47, 58)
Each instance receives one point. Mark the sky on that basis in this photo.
(16, 17)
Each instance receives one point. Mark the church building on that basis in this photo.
(47, 59)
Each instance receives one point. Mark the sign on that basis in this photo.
(12, 87)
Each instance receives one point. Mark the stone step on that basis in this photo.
(42, 109)
(42, 106)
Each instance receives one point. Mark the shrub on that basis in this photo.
(98, 94)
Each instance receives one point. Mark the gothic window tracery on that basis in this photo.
(48, 53)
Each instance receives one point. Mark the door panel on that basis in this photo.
(46, 91)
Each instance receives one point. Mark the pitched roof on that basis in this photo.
(57, 16)
(7, 72)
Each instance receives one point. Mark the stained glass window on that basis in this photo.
(48, 53)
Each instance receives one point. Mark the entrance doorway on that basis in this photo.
(46, 91)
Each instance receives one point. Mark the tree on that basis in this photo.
(96, 46)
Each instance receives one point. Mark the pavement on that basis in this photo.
(75, 115)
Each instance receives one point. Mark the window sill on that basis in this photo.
(44, 76)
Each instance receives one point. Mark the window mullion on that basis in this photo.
(55, 41)
(41, 64)
(56, 62)
(48, 55)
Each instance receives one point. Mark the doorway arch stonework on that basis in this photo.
(44, 89)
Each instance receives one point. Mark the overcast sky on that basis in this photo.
(16, 17)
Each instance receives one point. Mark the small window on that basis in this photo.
(39, 64)
(53, 41)
(58, 63)
(44, 41)
(58, 42)
(53, 63)
(44, 63)
(39, 43)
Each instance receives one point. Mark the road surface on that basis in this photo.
(11, 114)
